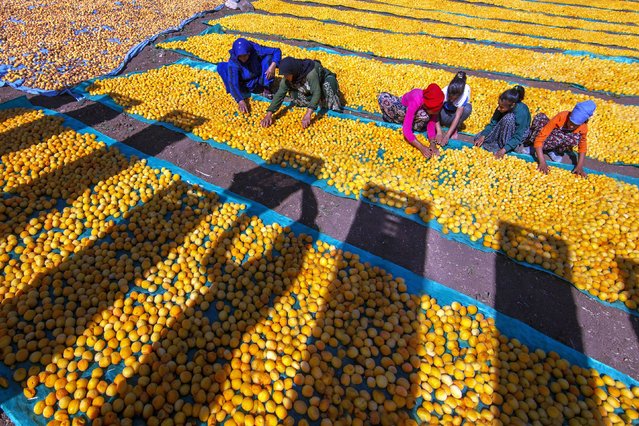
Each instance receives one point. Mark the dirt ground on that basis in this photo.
(543, 301)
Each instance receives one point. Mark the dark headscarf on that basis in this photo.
(298, 67)
(241, 46)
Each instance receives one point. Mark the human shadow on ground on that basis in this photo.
(67, 307)
(629, 271)
(272, 189)
(34, 132)
(365, 349)
(548, 388)
(526, 295)
(232, 340)
(388, 235)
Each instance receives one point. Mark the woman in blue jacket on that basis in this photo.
(250, 69)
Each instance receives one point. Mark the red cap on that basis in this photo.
(433, 98)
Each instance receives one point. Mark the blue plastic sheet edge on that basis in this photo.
(572, 52)
(568, 52)
(323, 185)
(416, 284)
(577, 5)
(480, 41)
(127, 58)
(217, 30)
(505, 74)
(564, 16)
(514, 21)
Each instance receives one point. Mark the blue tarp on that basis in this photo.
(18, 85)
(323, 184)
(20, 410)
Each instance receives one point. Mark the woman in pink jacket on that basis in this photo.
(418, 110)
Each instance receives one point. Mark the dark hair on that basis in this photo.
(457, 85)
(514, 95)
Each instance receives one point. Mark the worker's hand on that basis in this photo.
(500, 154)
(306, 121)
(480, 141)
(543, 167)
(267, 120)
(445, 140)
(242, 106)
(579, 171)
(270, 72)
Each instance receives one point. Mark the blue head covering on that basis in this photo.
(582, 112)
(241, 46)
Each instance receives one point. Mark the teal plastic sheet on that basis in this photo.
(19, 84)
(505, 74)
(20, 410)
(323, 184)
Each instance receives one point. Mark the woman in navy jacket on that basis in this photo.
(250, 69)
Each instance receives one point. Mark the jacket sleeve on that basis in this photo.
(234, 83)
(522, 124)
(409, 119)
(431, 126)
(583, 143)
(316, 88)
(265, 51)
(279, 96)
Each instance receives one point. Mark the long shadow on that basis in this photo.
(364, 355)
(227, 334)
(549, 304)
(35, 132)
(93, 114)
(389, 235)
(55, 187)
(27, 133)
(72, 270)
(154, 139)
(52, 102)
(546, 303)
(89, 287)
(67, 181)
(629, 271)
(272, 189)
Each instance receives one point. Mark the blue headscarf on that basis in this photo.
(241, 46)
(582, 112)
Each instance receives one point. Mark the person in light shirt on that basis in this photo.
(457, 107)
